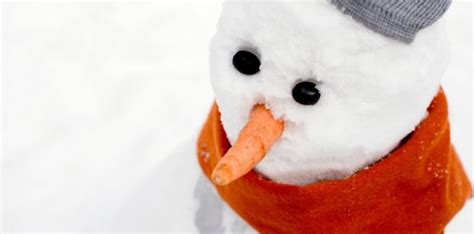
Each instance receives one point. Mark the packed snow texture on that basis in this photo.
(101, 106)
(374, 90)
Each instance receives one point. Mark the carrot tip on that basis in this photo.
(218, 180)
(221, 175)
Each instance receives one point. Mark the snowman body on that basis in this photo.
(364, 117)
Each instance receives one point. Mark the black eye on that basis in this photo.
(306, 93)
(246, 62)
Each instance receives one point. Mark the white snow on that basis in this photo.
(374, 90)
(101, 105)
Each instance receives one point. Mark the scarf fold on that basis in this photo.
(417, 188)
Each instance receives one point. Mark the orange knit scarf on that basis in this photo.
(417, 188)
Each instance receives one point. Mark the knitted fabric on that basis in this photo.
(398, 19)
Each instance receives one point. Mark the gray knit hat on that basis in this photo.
(398, 19)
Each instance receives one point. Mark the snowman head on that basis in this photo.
(347, 94)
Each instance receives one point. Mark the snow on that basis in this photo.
(101, 106)
(374, 90)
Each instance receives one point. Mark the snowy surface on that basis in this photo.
(374, 89)
(102, 104)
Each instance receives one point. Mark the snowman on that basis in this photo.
(328, 117)
(318, 98)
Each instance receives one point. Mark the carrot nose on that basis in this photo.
(253, 143)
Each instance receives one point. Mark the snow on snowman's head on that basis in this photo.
(364, 91)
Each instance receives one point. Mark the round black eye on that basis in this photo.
(246, 62)
(306, 93)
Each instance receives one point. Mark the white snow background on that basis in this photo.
(96, 95)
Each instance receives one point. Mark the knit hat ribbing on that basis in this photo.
(397, 19)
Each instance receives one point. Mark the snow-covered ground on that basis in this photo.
(97, 95)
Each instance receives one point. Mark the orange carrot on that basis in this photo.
(253, 143)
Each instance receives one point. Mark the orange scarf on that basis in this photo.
(418, 187)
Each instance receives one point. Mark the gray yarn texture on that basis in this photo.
(398, 19)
